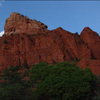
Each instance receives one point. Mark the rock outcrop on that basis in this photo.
(19, 24)
(92, 40)
(27, 42)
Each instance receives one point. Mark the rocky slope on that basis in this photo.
(27, 42)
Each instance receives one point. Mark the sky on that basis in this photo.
(70, 15)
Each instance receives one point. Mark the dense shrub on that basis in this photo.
(97, 88)
(13, 86)
(61, 81)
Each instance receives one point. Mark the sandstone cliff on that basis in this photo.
(18, 23)
(27, 42)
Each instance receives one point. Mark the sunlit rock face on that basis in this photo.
(27, 42)
(19, 24)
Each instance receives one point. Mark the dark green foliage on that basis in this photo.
(38, 72)
(13, 87)
(11, 75)
(97, 88)
(62, 81)
(96, 98)
(14, 91)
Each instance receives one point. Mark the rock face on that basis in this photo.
(92, 39)
(27, 42)
(18, 23)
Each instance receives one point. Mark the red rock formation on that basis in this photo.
(92, 39)
(27, 42)
(17, 23)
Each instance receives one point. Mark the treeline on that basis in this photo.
(60, 81)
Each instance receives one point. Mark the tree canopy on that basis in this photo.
(60, 81)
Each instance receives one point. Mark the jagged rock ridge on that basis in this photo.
(31, 45)
(19, 24)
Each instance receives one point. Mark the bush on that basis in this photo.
(97, 88)
(13, 86)
(62, 81)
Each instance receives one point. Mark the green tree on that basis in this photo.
(61, 81)
(13, 85)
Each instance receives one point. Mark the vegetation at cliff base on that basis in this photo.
(60, 81)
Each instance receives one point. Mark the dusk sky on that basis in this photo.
(70, 15)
